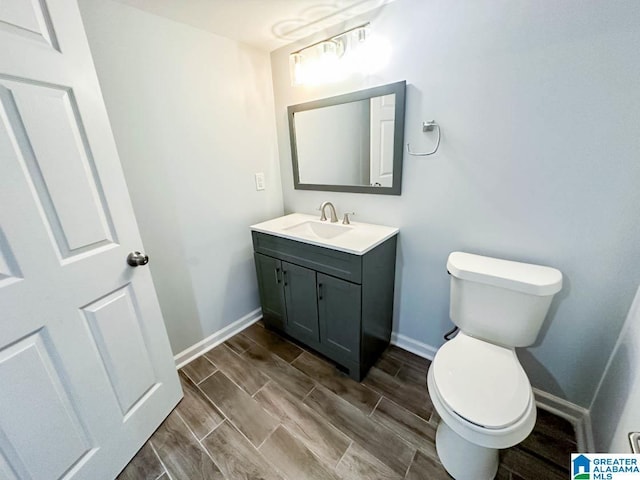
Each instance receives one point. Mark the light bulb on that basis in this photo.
(297, 69)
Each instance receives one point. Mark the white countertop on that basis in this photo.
(357, 238)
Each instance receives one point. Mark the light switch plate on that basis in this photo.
(260, 181)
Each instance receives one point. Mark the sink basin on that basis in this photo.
(318, 230)
(357, 238)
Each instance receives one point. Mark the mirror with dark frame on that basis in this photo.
(350, 143)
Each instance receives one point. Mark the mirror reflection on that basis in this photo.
(350, 143)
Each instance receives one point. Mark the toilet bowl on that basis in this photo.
(485, 403)
(476, 383)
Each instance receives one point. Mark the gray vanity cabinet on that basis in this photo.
(337, 303)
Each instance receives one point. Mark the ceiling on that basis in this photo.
(264, 24)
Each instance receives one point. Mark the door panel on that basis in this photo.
(339, 307)
(125, 357)
(300, 299)
(86, 371)
(29, 19)
(38, 394)
(43, 133)
(271, 290)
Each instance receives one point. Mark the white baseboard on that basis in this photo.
(217, 338)
(578, 416)
(414, 346)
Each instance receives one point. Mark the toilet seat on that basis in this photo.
(482, 383)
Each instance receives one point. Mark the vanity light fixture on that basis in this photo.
(328, 60)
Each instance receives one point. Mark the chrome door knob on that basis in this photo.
(136, 259)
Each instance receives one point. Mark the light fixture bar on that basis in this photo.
(331, 39)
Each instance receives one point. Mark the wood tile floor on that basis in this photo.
(261, 407)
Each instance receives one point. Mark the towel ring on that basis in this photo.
(427, 127)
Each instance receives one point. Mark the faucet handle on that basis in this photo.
(345, 219)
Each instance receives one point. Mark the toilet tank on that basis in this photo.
(500, 301)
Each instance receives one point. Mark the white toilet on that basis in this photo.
(475, 381)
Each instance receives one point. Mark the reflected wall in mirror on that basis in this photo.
(350, 143)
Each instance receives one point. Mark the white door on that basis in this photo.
(382, 127)
(622, 388)
(86, 373)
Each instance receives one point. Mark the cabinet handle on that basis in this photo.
(276, 272)
(319, 291)
(284, 272)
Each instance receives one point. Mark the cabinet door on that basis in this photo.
(270, 278)
(301, 301)
(339, 307)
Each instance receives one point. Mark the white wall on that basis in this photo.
(539, 106)
(192, 115)
(615, 410)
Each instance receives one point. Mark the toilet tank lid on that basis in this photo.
(521, 277)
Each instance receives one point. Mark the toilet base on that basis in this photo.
(462, 459)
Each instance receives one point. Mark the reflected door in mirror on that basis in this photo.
(382, 126)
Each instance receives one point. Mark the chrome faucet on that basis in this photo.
(332, 211)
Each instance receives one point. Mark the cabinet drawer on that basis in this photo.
(338, 264)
